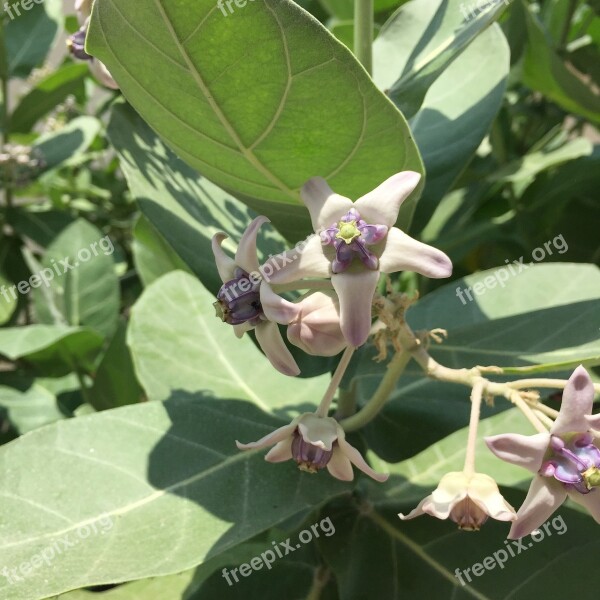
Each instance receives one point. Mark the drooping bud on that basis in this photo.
(76, 44)
(238, 300)
(310, 458)
(316, 329)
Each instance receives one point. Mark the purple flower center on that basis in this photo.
(575, 463)
(238, 300)
(310, 458)
(76, 44)
(350, 237)
(468, 516)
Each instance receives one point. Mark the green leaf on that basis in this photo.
(40, 226)
(454, 120)
(186, 209)
(30, 408)
(8, 303)
(243, 114)
(30, 34)
(46, 95)
(115, 383)
(152, 255)
(178, 343)
(432, 55)
(174, 464)
(86, 292)
(420, 41)
(60, 148)
(54, 349)
(545, 72)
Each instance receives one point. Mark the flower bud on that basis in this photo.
(316, 329)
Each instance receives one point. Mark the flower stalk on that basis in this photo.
(363, 33)
(476, 397)
(323, 408)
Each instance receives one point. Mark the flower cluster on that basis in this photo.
(340, 264)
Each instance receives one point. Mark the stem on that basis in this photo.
(476, 397)
(8, 194)
(363, 33)
(531, 417)
(83, 387)
(544, 383)
(323, 408)
(386, 386)
(320, 580)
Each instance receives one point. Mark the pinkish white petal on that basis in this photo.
(525, 451)
(272, 344)
(225, 264)
(577, 401)
(591, 502)
(403, 253)
(309, 261)
(102, 74)
(357, 460)
(275, 307)
(339, 466)
(593, 421)
(544, 497)
(324, 205)
(241, 329)
(245, 257)
(355, 291)
(281, 451)
(318, 431)
(381, 206)
(418, 511)
(270, 439)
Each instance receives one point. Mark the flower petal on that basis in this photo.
(225, 264)
(245, 257)
(356, 458)
(275, 307)
(593, 421)
(355, 291)
(324, 205)
(381, 206)
(577, 401)
(272, 344)
(318, 431)
(281, 451)
(544, 497)
(339, 466)
(308, 260)
(525, 451)
(241, 328)
(418, 511)
(483, 490)
(590, 501)
(272, 438)
(403, 253)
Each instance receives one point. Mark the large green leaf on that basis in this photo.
(30, 34)
(245, 113)
(53, 348)
(159, 480)
(177, 343)
(85, 294)
(8, 302)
